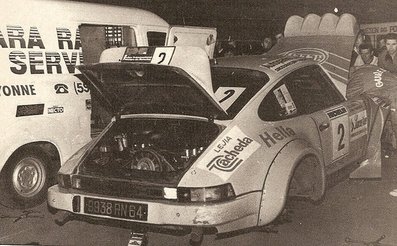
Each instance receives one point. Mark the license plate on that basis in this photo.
(116, 209)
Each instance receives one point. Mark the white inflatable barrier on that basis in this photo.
(328, 39)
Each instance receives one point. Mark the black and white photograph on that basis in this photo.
(202, 123)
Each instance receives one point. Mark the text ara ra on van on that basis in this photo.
(30, 52)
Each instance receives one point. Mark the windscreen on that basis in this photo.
(234, 87)
(150, 89)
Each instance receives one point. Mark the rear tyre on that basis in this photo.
(306, 180)
(25, 179)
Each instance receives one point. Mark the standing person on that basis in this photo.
(278, 36)
(380, 46)
(355, 52)
(266, 44)
(366, 56)
(387, 59)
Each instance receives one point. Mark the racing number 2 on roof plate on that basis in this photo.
(162, 55)
(228, 95)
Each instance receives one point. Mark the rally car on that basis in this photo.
(222, 146)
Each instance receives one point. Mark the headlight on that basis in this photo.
(206, 194)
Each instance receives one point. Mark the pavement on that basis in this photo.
(354, 212)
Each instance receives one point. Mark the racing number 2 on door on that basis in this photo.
(339, 119)
(341, 134)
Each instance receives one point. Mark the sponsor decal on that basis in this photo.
(378, 77)
(229, 160)
(317, 55)
(29, 54)
(284, 99)
(358, 125)
(159, 55)
(55, 110)
(280, 63)
(280, 133)
(336, 112)
(28, 110)
(138, 54)
(17, 90)
(229, 153)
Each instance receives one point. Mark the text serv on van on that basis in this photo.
(28, 52)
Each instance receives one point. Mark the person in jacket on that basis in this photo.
(388, 59)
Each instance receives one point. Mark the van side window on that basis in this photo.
(97, 38)
(303, 91)
(156, 38)
(114, 36)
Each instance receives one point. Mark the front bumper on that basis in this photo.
(236, 214)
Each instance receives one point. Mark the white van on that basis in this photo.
(45, 106)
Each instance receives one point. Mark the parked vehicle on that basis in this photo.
(46, 107)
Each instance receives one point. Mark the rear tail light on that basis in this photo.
(206, 194)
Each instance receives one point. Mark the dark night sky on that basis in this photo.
(253, 19)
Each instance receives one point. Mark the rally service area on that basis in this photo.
(132, 129)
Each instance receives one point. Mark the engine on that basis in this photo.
(161, 146)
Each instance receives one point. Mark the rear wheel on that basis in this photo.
(25, 179)
(306, 180)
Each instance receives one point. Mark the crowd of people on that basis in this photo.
(374, 71)
(230, 47)
(383, 56)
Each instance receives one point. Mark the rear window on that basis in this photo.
(234, 87)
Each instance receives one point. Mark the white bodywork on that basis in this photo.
(40, 45)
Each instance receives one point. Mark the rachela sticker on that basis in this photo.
(229, 153)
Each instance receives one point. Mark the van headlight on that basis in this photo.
(206, 194)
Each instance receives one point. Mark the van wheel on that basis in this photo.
(24, 179)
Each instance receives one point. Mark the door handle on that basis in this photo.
(323, 126)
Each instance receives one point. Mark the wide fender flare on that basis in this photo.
(278, 177)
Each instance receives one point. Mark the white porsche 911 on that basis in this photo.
(222, 146)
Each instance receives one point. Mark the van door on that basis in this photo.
(203, 37)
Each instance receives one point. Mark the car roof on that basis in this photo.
(274, 66)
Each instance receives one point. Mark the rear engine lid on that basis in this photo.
(150, 80)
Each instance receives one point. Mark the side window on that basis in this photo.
(116, 36)
(278, 104)
(303, 91)
(156, 38)
(97, 38)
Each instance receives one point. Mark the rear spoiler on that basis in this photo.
(328, 39)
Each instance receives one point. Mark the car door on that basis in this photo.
(341, 125)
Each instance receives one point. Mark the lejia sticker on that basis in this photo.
(229, 153)
(228, 95)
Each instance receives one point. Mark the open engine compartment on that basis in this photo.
(149, 148)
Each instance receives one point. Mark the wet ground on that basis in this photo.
(354, 212)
